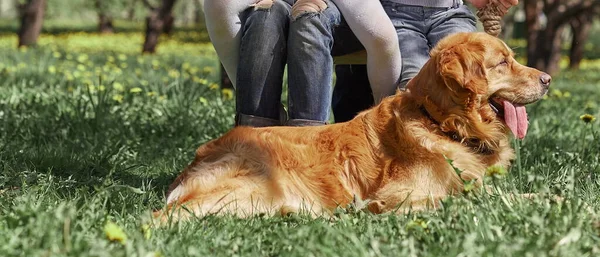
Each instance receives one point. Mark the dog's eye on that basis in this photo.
(503, 62)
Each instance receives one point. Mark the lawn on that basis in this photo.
(92, 133)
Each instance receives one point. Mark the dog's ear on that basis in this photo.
(461, 67)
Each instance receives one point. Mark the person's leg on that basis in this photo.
(310, 64)
(449, 21)
(410, 28)
(352, 93)
(223, 25)
(262, 61)
(373, 28)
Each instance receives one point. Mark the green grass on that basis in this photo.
(92, 133)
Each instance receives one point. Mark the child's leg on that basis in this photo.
(373, 28)
(223, 25)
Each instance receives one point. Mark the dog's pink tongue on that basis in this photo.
(516, 119)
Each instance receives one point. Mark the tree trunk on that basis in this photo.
(131, 10)
(580, 26)
(32, 18)
(159, 20)
(105, 25)
(532, 26)
(225, 81)
(544, 42)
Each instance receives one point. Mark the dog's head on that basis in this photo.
(473, 86)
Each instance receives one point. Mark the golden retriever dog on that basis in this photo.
(462, 107)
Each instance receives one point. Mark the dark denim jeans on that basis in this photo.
(270, 39)
(419, 29)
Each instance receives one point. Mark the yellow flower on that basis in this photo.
(101, 88)
(151, 94)
(135, 90)
(52, 69)
(185, 66)
(203, 101)
(118, 98)
(118, 86)
(81, 67)
(227, 93)
(56, 55)
(214, 86)
(587, 118)
(110, 59)
(82, 58)
(114, 232)
(174, 73)
(495, 170)
(122, 57)
(146, 231)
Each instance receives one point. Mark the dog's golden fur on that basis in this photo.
(394, 154)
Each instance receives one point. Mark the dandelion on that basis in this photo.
(135, 90)
(151, 94)
(52, 69)
(118, 98)
(174, 74)
(114, 232)
(214, 86)
(495, 171)
(118, 86)
(56, 55)
(587, 118)
(185, 66)
(227, 93)
(203, 101)
(122, 57)
(82, 58)
(101, 88)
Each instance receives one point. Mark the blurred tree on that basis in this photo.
(160, 20)
(581, 26)
(546, 20)
(105, 24)
(131, 10)
(31, 13)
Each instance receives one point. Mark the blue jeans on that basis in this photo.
(270, 39)
(419, 29)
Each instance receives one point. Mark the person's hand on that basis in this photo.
(503, 6)
(490, 13)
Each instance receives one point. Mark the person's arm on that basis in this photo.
(375, 30)
(504, 5)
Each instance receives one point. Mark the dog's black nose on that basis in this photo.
(545, 80)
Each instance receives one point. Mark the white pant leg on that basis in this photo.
(224, 29)
(374, 29)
